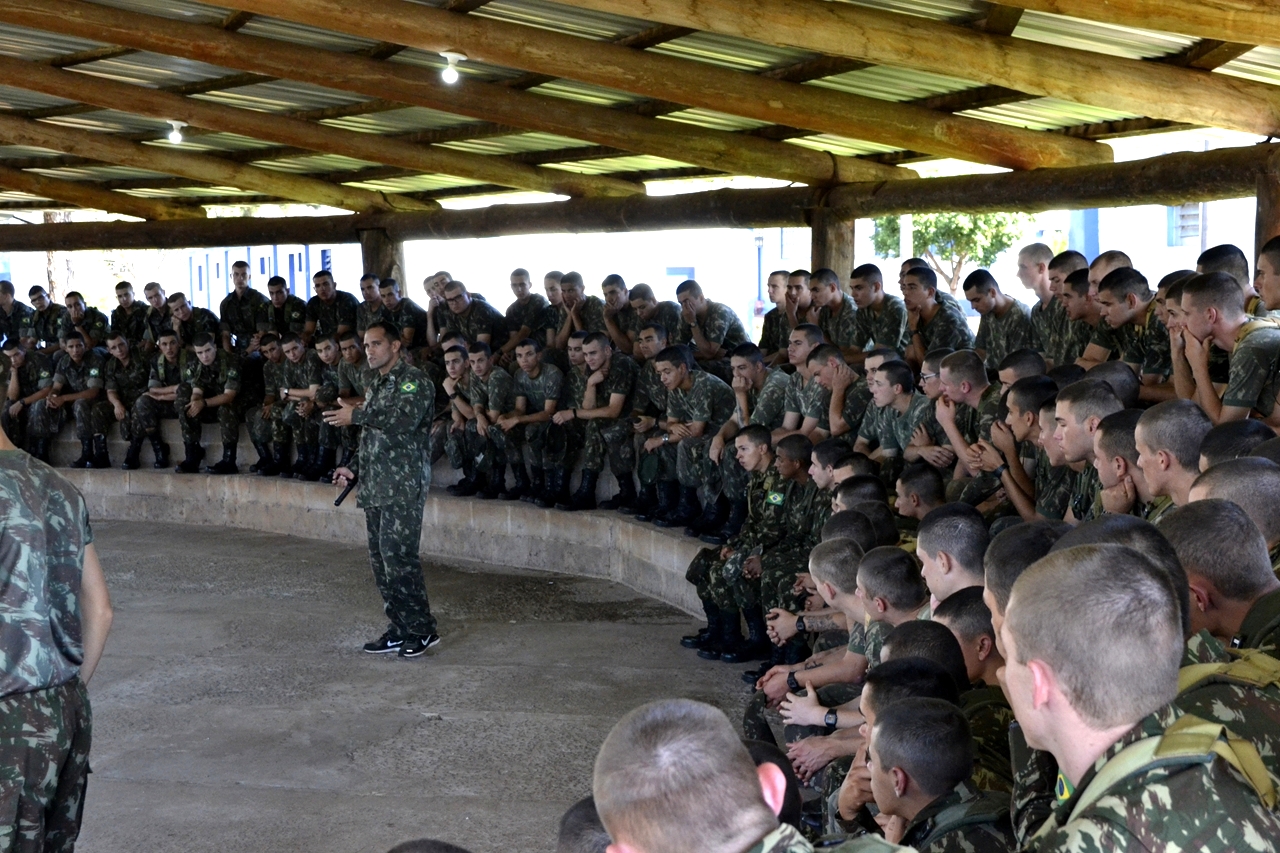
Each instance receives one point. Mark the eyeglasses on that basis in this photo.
(925, 377)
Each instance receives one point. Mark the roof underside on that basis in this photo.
(355, 112)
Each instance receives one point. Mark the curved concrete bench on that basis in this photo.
(596, 544)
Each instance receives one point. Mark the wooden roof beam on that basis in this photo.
(109, 94)
(888, 38)
(689, 82)
(86, 195)
(1241, 21)
(200, 167)
(712, 149)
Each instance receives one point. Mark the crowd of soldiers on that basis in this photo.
(1048, 549)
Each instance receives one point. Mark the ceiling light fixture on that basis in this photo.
(175, 135)
(449, 74)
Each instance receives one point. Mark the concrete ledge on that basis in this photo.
(502, 533)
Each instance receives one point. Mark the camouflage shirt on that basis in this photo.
(495, 392)
(274, 377)
(989, 716)
(667, 314)
(775, 331)
(592, 314)
(975, 422)
(899, 427)
(12, 324)
(767, 493)
(202, 321)
(574, 387)
(708, 400)
(537, 392)
(36, 374)
(42, 543)
(47, 327)
(409, 315)
(480, 318)
(1084, 493)
(132, 323)
(999, 336)
(95, 325)
(650, 396)
(869, 641)
(967, 820)
(353, 379)
(1053, 487)
(768, 406)
(785, 839)
(289, 318)
(1076, 338)
(1261, 626)
(72, 378)
(857, 399)
(948, 328)
(328, 316)
(621, 380)
(163, 373)
(1200, 806)
(527, 312)
(368, 314)
(392, 462)
(1255, 361)
(875, 420)
(886, 327)
(244, 316)
(804, 505)
(327, 393)
(720, 326)
(128, 381)
(215, 379)
(158, 322)
(808, 398)
(301, 375)
(1147, 345)
(840, 329)
(1047, 327)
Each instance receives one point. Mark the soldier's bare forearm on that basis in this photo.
(818, 623)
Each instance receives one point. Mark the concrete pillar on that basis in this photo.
(832, 243)
(1267, 222)
(382, 256)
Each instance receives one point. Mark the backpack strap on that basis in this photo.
(1254, 325)
(1250, 667)
(987, 811)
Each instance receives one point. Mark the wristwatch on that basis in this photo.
(666, 438)
(800, 628)
(792, 684)
(831, 719)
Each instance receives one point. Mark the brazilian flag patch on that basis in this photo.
(774, 498)
(409, 386)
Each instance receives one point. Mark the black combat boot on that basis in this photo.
(731, 526)
(191, 464)
(668, 492)
(521, 486)
(757, 645)
(700, 639)
(777, 654)
(585, 497)
(713, 516)
(643, 503)
(280, 462)
(537, 485)
(101, 459)
(228, 463)
(494, 483)
(796, 651)
(160, 450)
(468, 485)
(685, 511)
(626, 495)
(557, 487)
(729, 640)
(86, 454)
(264, 465)
(306, 460)
(131, 457)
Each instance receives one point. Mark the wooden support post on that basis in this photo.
(831, 239)
(1267, 221)
(382, 255)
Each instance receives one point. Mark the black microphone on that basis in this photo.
(351, 484)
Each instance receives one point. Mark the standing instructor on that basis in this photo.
(395, 421)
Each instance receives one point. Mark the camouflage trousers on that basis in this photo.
(283, 425)
(227, 418)
(394, 533)
(694, 467)
(129, 423)
(656, 466)
(92, 417)
(542, 445)
(330, 436)
(707, 574)
(734, 479)
(15, 427)
(437, 437)
(148, 412)
(611, 437)
(755, 725)
(484, 451)
(44, 748)
(778, 569)
(972, 490)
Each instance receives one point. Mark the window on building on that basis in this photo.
(1184, 224)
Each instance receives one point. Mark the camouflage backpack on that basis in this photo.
(984, 812)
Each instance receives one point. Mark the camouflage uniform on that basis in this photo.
(1261, 626)
(948, 328)
(775, 331)
(857, 399)
(202, 321)
(147, 412)
(218, 378)
(328, 316)
(409, 315)
(650, 400)
(668, 315)
(480, 318)
(244, 316)
(1147, 346)
(720, 327)
(975, 423)
(12, 324)
(1192, 805)
(720, 580)
(47, 327)
(157, 322)
(809, 399)
(92, 416)
(367, 315)
(528, 312)
(45, 715)
(709, 400)
(886, 327)
(36, 374)
(592, 314)
(288, 319)
(494, 393)
(530, 442)
(785, 839)
(1047, 327)
(289, 424)
(352, 381)
(131, 323)
(130, 384)
(999, 336)
(1053, 487)
(96, 327)
(840, 329)
(1253, 381)
(789, 556)
(766, 407)
(394, 475)
(1076, 337)
(967, 820)
(613, 436)
(989, 716)
(262, 426)
(1084, 494)
(327, 400)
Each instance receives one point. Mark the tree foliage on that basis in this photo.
(950, 241)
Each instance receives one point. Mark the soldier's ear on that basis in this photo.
(773, 784)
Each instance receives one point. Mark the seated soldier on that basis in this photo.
(1128, 306)
(837, 312)
(649, 310)
(774, 329)
(492, 394)
(287, 314)
(261, 419)
(1019, 364)
(881, 319)
(807, 403)
(524, 316)
(407, 315)
(1254, 485)
(583, 313)
(902, 411)
(371, 309)
(1081, 407)
(1115, 454)
(950, 545)
(77, 386)
(710, 330)
(296, 422)
(648, 407)
(448, 429)
(1231, 440)
(91, 323)
(968, 618)
(1087, 703)
(621, 322)
(326, 399)
(920, 490)
(965, 411)
(330, 311)
(125, 380)
(1106, 340)
(1006, 323)
(30, 381)
(1168, 439)
(605, 409)
(934, 322)
(1031, 486)
(129, 317)
(190, 321)
(210, 383)
(930, 444)
(920, 754)
(573, 394)
(48, 324)
(164, 380)
(353, 379)
(719, 801)
(851, 487)
(849, 406)
(529, 428)
(472, 317)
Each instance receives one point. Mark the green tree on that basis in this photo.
(950, 241)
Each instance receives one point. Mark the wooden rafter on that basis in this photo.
(87, 195)
(1242, 21)
(888, 38)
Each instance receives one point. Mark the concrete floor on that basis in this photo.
(233, 709)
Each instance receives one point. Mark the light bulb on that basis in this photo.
(449, 75)
(175, 135)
